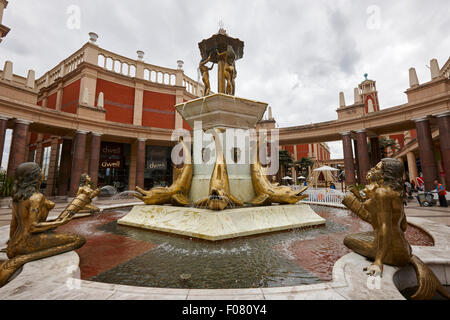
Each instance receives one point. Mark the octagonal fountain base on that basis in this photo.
(219, 225)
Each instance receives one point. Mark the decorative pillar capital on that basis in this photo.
(425, 118)
(361, 131)
(96, 134)
(346, 133)
(82, 132)
(443, 114)
(23, 121)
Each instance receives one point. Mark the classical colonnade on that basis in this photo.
(357, 166)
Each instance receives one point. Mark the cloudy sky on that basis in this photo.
(298, 55)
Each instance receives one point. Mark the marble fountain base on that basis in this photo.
(219, 225)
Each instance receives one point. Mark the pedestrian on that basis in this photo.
(420, 183)
(333, 186)
(408, 189)
(441, 193)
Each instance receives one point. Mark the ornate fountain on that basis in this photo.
(227, 194)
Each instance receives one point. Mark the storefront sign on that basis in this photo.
(111, 163)
(157, 164)
(111, 148)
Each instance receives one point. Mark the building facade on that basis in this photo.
(96, 112)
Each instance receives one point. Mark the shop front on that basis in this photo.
(114, 165)
(158, 167)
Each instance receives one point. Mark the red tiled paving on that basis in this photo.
(103, 251)
(319, 255)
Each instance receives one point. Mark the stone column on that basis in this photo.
(94, 159)
(3, 127)
(363, 155)
(375, 151)
(79, 150)
(39, 150)
(27, 148)
(349, 163)
(18, 145)
(140, 162)
(426, 150)
(132, 170)
(65, 166)
(53, 166)
(444, 138)
(31, 155)
(412, 166)
(355, 147)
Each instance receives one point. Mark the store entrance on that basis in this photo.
(114, 165)
(158, 167)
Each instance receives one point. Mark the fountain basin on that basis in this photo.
(219, 225)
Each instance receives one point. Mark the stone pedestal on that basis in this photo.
(239, 175)
(222, 110)
(230, 113)
(219, 225)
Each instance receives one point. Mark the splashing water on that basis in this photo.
(127, 194)
(107, 191)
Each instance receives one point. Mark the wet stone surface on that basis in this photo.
(130, 256)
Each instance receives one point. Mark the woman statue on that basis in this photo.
(31, 236)
(382, 207)
(82, 201)
(204, 70)
(229, 72)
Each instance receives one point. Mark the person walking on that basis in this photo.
(441, 193)
(420, 182)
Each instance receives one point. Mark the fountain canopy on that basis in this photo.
(220, 42)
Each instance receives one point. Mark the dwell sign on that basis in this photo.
(111, 155)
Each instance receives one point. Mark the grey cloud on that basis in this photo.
(298, 55)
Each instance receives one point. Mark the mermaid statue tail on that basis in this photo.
(80, 204)
(427, 281)
(10, 266)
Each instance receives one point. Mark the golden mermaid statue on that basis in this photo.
(229, 71)
(31, 236)
(178, 193)
(81, 204)
(382, 207)
(219, 196)
(204, 70)
(267, 192)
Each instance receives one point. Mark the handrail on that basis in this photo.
(117, 63)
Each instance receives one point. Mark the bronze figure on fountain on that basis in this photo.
(31, 235)
(222, 50)
(381, 205)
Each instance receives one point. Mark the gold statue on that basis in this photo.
(268, 193)
(382, 207)
(219, 196)
(229, 72)
(177, 193)
(31, 236)
(205, 74)
(81, 204)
